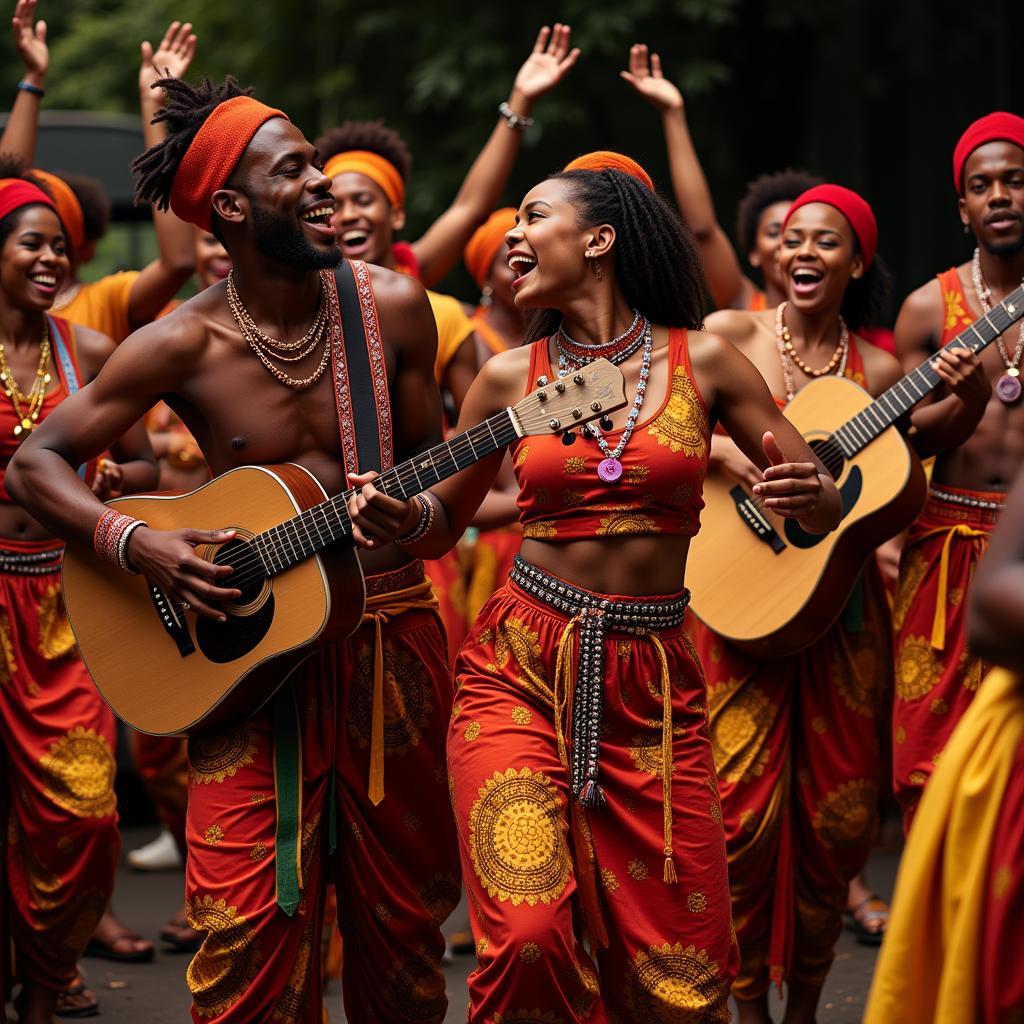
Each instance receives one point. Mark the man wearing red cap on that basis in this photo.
(937, 674)
(257, 368)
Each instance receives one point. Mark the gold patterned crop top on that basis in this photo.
(561, 497)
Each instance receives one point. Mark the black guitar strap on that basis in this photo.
(363, 377)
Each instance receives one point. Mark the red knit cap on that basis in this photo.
(852, 207)
(213, 155)
(486, 241)
(606, 160)
(997, 127)
(16, 192)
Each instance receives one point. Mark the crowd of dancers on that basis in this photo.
(645, 819)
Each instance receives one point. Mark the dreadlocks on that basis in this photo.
(186, 110)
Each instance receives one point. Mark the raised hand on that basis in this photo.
(548, 64)
(790, 489)
(647, 78)
(171, 59)
(30, 42)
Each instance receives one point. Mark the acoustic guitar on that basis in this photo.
(166, 671)
(763, 582)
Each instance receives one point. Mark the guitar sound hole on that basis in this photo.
(827, 449)
(248, 573)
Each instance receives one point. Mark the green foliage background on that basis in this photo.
(869, 93)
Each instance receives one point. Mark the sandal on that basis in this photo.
(864, 915)
(107, 950)
(77, 1000)
(181, 936)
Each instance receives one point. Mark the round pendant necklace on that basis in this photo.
(609, 469)
(1008, 387)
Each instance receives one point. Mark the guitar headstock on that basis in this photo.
(562, 404)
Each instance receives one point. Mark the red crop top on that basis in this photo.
(9, 444)
(561, 497)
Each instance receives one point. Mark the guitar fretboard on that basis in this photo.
(882, 413)
(311, 531)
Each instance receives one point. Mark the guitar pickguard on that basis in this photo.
(849, 493)
(222, 642)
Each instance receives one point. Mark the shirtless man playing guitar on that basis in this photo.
(244, 171)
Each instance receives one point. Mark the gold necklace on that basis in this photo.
(27, 418)
(264, 346)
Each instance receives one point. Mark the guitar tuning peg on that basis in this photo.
(542, 382)
(605, 423)
(568, 438)
(578, 378)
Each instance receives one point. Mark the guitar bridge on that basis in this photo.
(755, 520)
(173, 622)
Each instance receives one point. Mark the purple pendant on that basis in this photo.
(1008, 388)
(609, 470)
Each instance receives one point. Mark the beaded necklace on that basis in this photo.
(1008, 387)
(28, 417)
(788, 354)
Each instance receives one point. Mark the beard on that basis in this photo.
(1010, 247)
(280, 237)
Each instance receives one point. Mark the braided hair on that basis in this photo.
(768, 189)
(656, 262)
(184, 113)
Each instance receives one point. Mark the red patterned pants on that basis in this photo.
(395, 868)
(796, 746)
(57, 770)
(540, 871)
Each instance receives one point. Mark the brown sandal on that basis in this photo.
(77, 1000)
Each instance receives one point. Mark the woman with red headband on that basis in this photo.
(581, 772)
(800, 778)
(56, 734)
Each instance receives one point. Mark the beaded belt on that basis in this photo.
(30, 563)
(595, 614)
(967, 500)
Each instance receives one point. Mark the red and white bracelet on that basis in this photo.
(110, 538)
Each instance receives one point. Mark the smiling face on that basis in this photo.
(364, 219)
(283, 198)
(212, 260)
(767, 242)
(546, 248)
(993, 200)
(818, 257)
(34, 259)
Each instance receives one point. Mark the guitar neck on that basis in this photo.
(859, 432)
(296, 539)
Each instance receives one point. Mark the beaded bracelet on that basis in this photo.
(422, 528)
(110, 538)
(514, 120)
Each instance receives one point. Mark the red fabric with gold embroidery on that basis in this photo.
(162, 765)
(530, 856)
(936, 675)
(57, 767)
(795, 744)
(561, 497)
(956, 313)
(396, 864)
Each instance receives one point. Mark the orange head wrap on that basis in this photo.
(213, 155)
(69, 209)
(486, 241)
(381, 172)
(606, 160)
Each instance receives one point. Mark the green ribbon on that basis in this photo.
(288, 794)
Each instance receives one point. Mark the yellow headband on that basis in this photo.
(381, 172)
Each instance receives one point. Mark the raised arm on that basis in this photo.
(996, 619)
(728, 285)
(795, 484)
(160, 280)
(22, 127)
(442, 245)
(949, 417)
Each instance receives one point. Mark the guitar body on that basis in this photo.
(165, 671)
(775, 594)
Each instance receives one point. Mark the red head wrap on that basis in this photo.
(997, 127)
(606, 160)
(852, 207)
(486, 241)
(16, 193)
(69, 209)
(213, 155)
